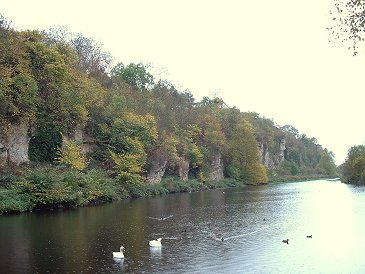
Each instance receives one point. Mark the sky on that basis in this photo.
(270, 57)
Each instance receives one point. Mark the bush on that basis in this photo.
(7, 180)
(13, 201)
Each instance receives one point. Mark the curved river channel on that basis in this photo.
(253, 221)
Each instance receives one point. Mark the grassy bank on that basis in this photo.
(51, 188)
(297, 178)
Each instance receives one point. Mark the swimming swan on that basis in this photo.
(119, 255)
(155, 242)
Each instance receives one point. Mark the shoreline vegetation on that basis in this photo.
(50, 188)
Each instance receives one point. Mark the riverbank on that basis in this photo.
(50, 188)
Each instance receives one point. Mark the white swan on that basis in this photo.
(119, 255)
(155, 242)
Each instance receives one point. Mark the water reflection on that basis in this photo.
(156, 252)
(253, 222)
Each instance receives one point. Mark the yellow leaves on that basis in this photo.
(129, 166)
(202, 177)
(193, 131)
(168, 145)
(72, 155)
(127, 163)
(145, 124)
(257, 173)
(196, 156)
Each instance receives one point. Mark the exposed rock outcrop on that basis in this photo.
(82, 137)
(157, 169)
(14, 147)
(183, 169)
(272, 160)
(216, 167)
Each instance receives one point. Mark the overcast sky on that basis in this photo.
(271, 57)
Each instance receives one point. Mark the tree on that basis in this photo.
(327, 164)
(91, 58)
(19, 93)
(134, 74)
(353, 170)
(244, 155)
(349, 23)
(71, 154)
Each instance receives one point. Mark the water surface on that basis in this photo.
(252, 220)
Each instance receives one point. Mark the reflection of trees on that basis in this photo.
(17, 246)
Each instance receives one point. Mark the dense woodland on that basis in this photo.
(99, 132)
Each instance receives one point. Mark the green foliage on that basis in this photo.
(353, 170)
(42, 187)
(195, 156)
(223, 184)
(132, 134)
(58, 82)
(134, 74)
(326, 164)
(19, 95)
(236, 173)
(44, 144)
(7, 179)
(129, 167)
(244, 155)
(288, 167)
(13, 201)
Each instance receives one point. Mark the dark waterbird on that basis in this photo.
(286, 241)
(309, 236)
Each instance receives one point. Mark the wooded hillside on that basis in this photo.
(63, 103)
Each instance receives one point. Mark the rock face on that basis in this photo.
(216, 167)
(14, 147)
(82, 137)
(272, 160)
(157, 170)
(183, 169)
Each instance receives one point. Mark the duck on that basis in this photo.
(286, 241)
(119, 255)
(155, 243)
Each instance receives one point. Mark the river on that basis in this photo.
(252, 220)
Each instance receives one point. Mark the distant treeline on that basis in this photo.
(84, 115)
(353, 169)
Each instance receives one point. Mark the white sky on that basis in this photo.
(271, 57)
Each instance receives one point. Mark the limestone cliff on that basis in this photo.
(82, 137)
(216, 167)
(273, 159)
(183, 169)
(14, 147)
(157, 168)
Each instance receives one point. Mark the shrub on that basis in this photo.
(71, 154)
